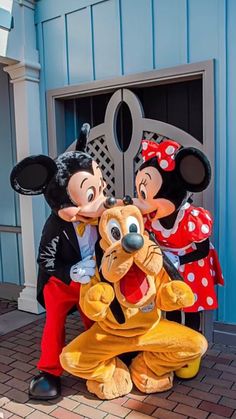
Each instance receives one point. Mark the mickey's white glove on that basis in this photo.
(173, 258)
(83, 270)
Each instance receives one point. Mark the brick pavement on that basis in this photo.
(211, 395)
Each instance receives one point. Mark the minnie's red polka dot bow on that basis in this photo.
(164, 152)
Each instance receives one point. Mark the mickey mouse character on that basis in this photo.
(73, 187)
(163, 183)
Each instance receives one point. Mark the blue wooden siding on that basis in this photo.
(137, 39)
(91, 39)
(229, 241)
(170, 32)
(10, 243)
(80, 51)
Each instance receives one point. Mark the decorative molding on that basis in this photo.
(23, 71)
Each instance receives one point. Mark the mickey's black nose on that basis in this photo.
(110, 202)
(132, 242)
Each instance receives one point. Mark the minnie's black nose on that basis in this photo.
(132, 242)
(127, 200)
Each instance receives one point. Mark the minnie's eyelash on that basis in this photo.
(143, 182)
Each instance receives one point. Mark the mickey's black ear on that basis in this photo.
(193, 168)
(81, 143)
(32, 175)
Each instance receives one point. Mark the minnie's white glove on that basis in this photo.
(83, 270)
(173, 258)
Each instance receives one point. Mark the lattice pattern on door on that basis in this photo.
(98, 150)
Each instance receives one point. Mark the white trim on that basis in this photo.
(168, 232)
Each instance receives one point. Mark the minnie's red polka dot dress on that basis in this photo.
(193, 225)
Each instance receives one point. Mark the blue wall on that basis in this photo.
(81, 41)
(10, 243)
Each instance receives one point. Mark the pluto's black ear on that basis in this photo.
(32, 175)
(193, 168)
(81, 143)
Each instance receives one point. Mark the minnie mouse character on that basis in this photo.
(73, 187)
(169, 173)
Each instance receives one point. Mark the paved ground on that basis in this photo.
(6, 306)
(211, 395)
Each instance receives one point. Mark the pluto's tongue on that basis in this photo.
(134, 285)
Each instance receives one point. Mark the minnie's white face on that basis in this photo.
(86, 191)
(148, 182)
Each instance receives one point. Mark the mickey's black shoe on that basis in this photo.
(45, 386)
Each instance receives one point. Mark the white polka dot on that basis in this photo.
(172, 157)
(195, 297)
(181, 252)
(194, 246)
(182, 268)
(211, 260)
(145, 146)
(165, 233)
(204, 282)
(164, 164)
(144, 158)
(213, 273)
(151, 153)
(205, 229)
(201, 262)
(208, 217)
(200, 308)
(195, 212)
(191, 226)
(158, 155)
(170, 150)
(191, 276)
(209, 301)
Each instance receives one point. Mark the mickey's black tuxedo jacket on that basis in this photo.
(58, 252)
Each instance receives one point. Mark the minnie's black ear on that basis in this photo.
(81, 143)
(32, 175)
(193, 168)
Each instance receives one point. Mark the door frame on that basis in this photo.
(204, 70)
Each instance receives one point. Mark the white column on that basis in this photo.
(25, 79)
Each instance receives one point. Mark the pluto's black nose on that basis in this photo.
(132, 242)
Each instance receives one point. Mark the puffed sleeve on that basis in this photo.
(199, 224)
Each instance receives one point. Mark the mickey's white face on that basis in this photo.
(86, 191)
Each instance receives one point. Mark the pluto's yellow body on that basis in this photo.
(134, 279)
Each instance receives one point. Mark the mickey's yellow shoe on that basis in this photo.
(190, 370)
